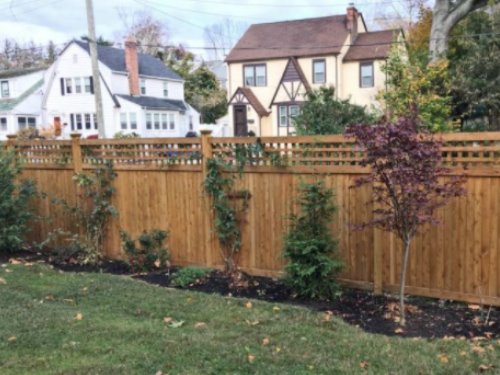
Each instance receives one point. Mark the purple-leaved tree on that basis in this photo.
(406, 175)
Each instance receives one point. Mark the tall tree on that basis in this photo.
(406, 176)
(446, 14)
(221, 37)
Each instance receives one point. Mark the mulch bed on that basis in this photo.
(426, 317)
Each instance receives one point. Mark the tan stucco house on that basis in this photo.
(274, 64)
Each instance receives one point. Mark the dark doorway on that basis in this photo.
(240, 121)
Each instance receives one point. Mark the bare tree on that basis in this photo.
(446, 14)
(152, 34)
(399, 15)
(221, 37)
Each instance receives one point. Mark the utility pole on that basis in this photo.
(95, 68)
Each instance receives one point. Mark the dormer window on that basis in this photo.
(143, 87)
(5, 89)
(366, 78)
(255, 75)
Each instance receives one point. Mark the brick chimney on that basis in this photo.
(352, 21)
(132, 65)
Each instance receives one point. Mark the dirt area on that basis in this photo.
(429, 318)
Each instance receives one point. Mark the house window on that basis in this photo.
(3, 124)
(157, 121)
(255, 75)
(133, 120)
(79, 123)
(164, 124)
(88, 122)
(149, 121)
(366, 75)
(287, 113)
(78, 85)
(88, 85)
(319, 71)
(165, 89)
(123, 121)
(69, 85)
(5, 89)
(24, 122)
(171, 121)
(143, 87)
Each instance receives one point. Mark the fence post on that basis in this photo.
(206, 150)
(11, 141)
(76, 152)
(378, 263)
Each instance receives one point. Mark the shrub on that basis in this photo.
(90, 215)
(15, 197)
(151, 253)
(310, 247)
(188, 275)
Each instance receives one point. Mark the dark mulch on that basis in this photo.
(426, 317)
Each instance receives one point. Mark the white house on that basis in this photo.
(20, 100)
(140, 94)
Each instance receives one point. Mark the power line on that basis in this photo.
(261, 5)
(170, 15)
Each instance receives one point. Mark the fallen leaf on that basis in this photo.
(2, 281)
(157, 263)
(248, 305)
(327, 316)
(250, 358)
(200, 325)
(474, 307)
(489, 335)
(8, 271)
(478, 349)
(12, 339)
(278, 349)
(252, 322)
(14, 261)
(176, 324)
(50, 297)
(28, 264)
(159, 372)
(265, 341)
(483, 368)
(363, 364)
(79, 316)
(463, 353)
(448, 338)
(443, 358)
(70, 301)
(399, 330)
(167, 319)
(276, 309)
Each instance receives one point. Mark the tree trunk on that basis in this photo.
(404, 267)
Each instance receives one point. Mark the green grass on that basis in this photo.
(122, 331)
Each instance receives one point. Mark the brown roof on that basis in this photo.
(252, 99)
(307, 37)
(371, 45)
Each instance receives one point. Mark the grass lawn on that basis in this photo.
(66, 323)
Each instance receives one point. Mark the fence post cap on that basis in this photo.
(206, 131)
(11, 136)
(75, 135)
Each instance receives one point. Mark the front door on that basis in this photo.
(240, 121)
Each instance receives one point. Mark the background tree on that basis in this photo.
(446, 14)
(413, 87)
(101, 41)
(474, 55)
(323, 113)
(221, 37)
(406, 177)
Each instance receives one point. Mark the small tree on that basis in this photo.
(406, 173)
(310, 247)
(323, 113)
(15, 197)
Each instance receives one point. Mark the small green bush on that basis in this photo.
(151, 253)
(188, 275)
(310, 247)
(15, 197)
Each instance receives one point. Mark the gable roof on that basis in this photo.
(252, 99)
(371, 45)
(10, 104)
(306, 37)
(292, 72)
(114, 58)
(149, 102)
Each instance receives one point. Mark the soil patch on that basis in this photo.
(426, 317)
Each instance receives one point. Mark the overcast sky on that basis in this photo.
(62, 20)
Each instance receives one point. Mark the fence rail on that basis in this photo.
(159, 185)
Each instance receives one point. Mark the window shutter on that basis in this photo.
(91, 84)
(72, 119)
(62, 86)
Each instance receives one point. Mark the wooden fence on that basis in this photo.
(159, 185)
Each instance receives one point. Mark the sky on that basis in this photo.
(63, 20)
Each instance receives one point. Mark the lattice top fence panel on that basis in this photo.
(288, 151)
(147, 152)
(44, 153)
(471, 150)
